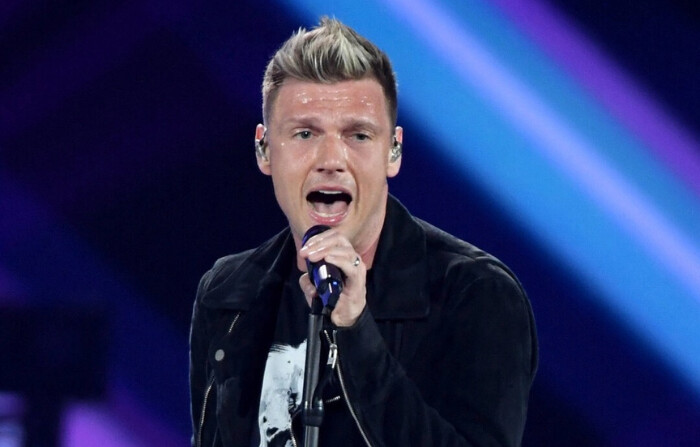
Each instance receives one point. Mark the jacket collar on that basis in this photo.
(396, 286)
(247, 275)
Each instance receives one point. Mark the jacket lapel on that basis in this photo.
(400, 265)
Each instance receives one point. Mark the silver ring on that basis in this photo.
(357, 261)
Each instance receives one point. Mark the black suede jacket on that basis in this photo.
(443, 355)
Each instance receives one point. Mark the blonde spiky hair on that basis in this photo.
(331, 52)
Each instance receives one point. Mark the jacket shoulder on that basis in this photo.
(222, 269)
(233, 280)
(452, 255)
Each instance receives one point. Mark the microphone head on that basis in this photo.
(327, 278)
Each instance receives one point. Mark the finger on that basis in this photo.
(319, 238)
(307, 287)
(324, 241)
(330, 247)
(346, 260)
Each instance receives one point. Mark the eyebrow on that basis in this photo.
(352, 123)
(362, 123)
(303, 120)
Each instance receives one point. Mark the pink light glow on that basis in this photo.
(88, 425)
(120, 422)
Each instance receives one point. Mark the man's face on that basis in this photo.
(328, 155)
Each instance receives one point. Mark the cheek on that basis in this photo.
(373, 170)
(282, 182)
(287, 181)
(291, 160)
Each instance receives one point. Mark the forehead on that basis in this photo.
(296, 99)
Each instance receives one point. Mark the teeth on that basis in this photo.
(330, 192)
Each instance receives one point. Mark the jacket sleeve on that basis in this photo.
(198, 362)
(480, 364)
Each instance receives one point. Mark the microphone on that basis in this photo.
(327, 278)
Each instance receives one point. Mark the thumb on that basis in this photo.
(307, 287)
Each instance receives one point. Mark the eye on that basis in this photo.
(361, 136)
(303, 134)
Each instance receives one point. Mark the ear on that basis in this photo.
(261, 149)
(394, 153)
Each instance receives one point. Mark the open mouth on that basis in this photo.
(329, 203)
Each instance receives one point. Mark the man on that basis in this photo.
(434, 339)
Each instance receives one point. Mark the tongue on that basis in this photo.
(330, 209)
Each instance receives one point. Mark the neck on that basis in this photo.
(368, 255)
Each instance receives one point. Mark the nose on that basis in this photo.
(331, 155)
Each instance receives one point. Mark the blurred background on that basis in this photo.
(563, 136)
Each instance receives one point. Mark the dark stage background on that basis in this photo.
(127, 167)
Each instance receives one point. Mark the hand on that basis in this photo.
(336, 249)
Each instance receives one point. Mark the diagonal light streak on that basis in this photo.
(555, 140)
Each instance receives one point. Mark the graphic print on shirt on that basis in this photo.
(282, 389)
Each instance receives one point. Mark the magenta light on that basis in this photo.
(120, 421)
(89, 425)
